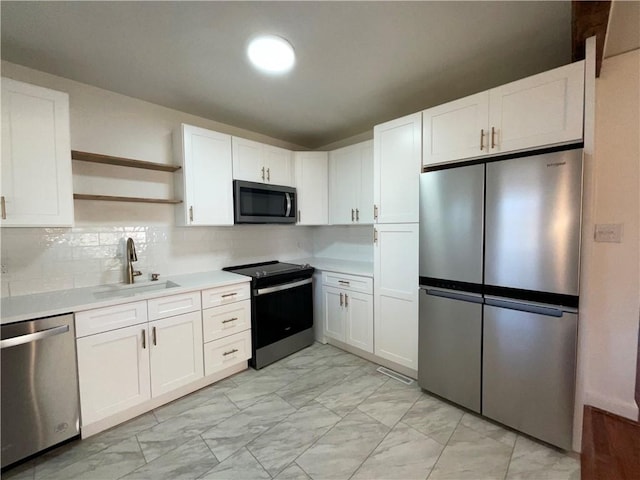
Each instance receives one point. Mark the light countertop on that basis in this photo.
(26, 307)
(339, 266)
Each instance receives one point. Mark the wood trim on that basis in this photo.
(109, 198)
(122, 162)
(589, 18)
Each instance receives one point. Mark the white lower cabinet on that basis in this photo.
(348, 313)
(226, 352)
(175, 352)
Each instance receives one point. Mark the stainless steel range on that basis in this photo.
(281, 309)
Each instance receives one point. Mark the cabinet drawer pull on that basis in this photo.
(493, 137)
(343, 282)
(229, 352)
(482, 139)
(227, 295)
(346, 300)
(155, 339)
(233, 319)
(341, 299)
(3, 207)
(144, 339)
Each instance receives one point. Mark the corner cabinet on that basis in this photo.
(258, 162)
(544, 109)
(396, 169)
(351, 185)
(312, 186)
(37, 185)
(205, 181)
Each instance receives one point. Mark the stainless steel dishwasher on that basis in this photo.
(40, 406)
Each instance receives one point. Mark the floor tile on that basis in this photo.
(343, 449)
(488, 429)
(532, 460)
(434, 418)
(26, 471)
(111, 463)
(278, 447)
(250, 392)
(172, 433)
(186, 462)
(304, 389)
(353, 390)
(469, 455)
(390, 402)
(237, 431)
(404, 454)
(292, 472)
(241, 465)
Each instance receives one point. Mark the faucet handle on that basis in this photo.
(155, 276)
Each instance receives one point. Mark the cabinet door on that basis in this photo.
(540, 110)
(456, 130)
(279, 165)
(248, 160)
(113, 372)
(359, 309)
(312, 186)
(334, 316)
(365, 199)
(344, 168)
(397, 160)
(37, 187)
(176, 352)
(396, 293)
(208, 188)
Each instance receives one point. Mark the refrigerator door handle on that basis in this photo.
(540, 309)
(454, 295)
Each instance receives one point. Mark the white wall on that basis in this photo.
(611, 271)
(352, 242)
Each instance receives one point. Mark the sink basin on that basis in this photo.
(134, 289)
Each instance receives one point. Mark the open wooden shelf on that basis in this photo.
(109, 198)
(121, 162)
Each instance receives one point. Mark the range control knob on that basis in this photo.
(258, 273)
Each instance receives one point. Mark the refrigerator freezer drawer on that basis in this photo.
(449, 348)
(529, 363)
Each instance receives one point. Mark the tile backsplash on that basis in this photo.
(37, 260)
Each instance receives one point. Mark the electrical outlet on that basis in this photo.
(608, 232)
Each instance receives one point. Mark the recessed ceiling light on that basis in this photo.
(271, 54)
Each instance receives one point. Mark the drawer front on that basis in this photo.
(225, 320)
(173, 305)
(214, 297)
(226, 352)
(98, 320)
(348, 282)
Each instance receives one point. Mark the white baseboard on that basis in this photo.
(614, 405)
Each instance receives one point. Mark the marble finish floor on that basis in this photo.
(321, 413)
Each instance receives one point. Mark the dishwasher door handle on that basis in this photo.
(32, 337)
(284, 286)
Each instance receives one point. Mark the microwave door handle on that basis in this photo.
(288, 197)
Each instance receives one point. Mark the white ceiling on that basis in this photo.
(358, 63)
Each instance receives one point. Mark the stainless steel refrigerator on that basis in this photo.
(499, 270)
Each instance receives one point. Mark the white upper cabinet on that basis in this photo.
(205, 182)
(351, 184)
(544, 109)
(396, 171)
(37, 185)
(312, 187)
(257, 162)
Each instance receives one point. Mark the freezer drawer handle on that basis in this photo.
(453, 296)
(525, 307)
(32, 337)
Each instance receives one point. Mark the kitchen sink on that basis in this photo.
(134, 289)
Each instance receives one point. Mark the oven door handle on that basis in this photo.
(284, 286)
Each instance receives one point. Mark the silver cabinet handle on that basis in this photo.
(375, 212)
(233, 319)
(263, 174)
(3, 207)
(352, 214)
(346, 300)
(153, 333)
(299, 216)
(32, 337)
(144, 339)
(268, 174)
(341, 299)
(482, 139)
(227, 295)
(229, 352)
(191, 214)
(375, 236)
(357, 215)
(493, 138)
(343, 282)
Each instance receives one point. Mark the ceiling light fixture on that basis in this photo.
(271, 54)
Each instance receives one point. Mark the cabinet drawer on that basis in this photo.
(214, 297)
(173, 305)
(226, 352)
(104, 319)
(225, 320)
(348, 282)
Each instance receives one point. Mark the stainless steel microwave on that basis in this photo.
(262, 203)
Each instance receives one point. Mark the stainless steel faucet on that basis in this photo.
(131, 257)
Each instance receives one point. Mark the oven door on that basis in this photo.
(260, 203)
(281, 311)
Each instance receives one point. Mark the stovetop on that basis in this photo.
(268, 269)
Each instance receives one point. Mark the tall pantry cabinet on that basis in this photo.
(397, 164)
